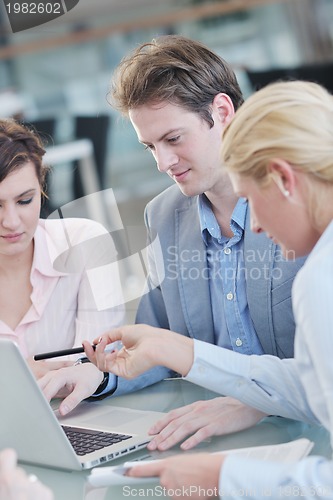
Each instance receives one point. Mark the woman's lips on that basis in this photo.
(12, 238)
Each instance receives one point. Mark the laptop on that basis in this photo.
(42, 437)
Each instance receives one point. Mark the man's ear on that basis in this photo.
(283, 175)
(223, 108)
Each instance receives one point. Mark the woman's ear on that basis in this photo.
(223, 108)
(283, 175)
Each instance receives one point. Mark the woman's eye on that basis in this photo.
(174, 139)
(25, 202)
(149, 147)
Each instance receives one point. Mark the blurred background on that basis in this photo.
(56, 76)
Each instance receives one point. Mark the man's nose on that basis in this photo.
(165, 159)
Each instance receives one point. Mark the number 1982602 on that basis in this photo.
(34, 8)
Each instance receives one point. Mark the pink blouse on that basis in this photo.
(70, 302)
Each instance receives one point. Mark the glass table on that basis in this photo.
(164, 396)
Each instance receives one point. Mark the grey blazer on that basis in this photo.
(178, 296)
(181, 299)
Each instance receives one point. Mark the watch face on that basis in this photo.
(81, 360)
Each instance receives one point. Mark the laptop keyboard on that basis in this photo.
(87, 440)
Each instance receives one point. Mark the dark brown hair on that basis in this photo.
(19, 145)
(175, 69)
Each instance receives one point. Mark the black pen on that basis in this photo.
(63, 352)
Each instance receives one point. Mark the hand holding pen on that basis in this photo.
(74, 350)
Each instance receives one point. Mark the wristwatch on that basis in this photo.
(102, 386)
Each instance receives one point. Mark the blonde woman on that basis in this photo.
(279, 152)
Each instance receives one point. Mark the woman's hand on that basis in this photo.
(16, 484)
(143, 348)
(73, 383)
(195, 475)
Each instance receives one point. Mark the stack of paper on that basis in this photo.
(285, 452)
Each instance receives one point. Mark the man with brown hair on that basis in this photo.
(216, 281)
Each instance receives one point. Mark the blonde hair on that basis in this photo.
(292, 121)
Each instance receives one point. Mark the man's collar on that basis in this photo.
(208, 222)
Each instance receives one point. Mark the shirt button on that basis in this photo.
(239, 342)
(227, 250)
(230, 296)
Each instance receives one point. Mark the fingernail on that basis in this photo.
(151, 446)
(64, 410)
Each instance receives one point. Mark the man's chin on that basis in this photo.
(188, 190)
